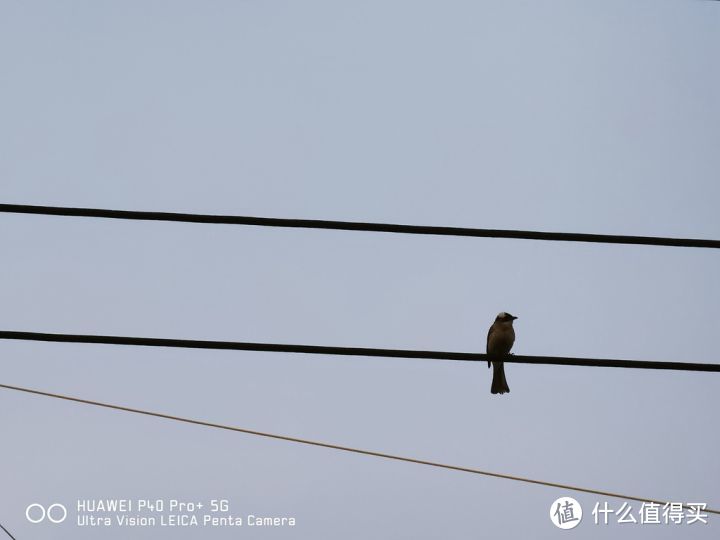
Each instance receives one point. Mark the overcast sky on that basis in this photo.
(597, 117)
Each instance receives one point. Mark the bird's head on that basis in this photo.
(505, 317)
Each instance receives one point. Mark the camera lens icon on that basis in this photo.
(55, 513)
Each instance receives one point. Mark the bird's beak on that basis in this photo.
(514, 317)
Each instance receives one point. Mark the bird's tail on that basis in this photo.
(499, 382)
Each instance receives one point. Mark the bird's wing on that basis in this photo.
(487, 346)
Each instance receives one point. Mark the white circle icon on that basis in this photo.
(565, 513)
(37, 519)
(61, 509)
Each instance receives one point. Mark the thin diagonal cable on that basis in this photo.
(7, 532)
(350, 351)
(338, 447)
(358, 226)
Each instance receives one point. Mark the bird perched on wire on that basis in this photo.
(500, 339)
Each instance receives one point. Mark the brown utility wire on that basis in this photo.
(342, 448)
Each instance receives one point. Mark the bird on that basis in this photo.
(500, 339)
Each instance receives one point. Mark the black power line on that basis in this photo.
(6, 531)
(338, 447)
(350, 351)
(358, 226)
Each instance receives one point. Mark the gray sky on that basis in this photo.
(555, 115)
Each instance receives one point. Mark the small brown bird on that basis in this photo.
(500, 339)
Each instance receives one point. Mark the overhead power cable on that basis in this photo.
(6, 531)
(338, 447)
(357, 226)
(350, 351)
